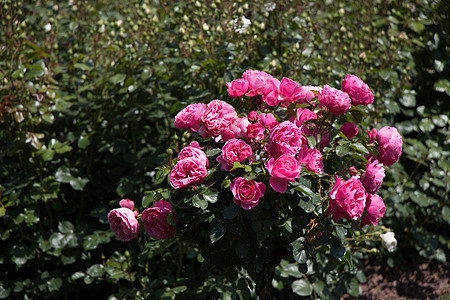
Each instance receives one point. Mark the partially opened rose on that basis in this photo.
(194, 151)
(237, 87)
(390, 145)
(187, 172)
(348, 199)
(349, 129)
(284, 138)
(282, 170)
(123, 221)
(358, 91)
(373, 177)
(290, 90)
(154, 220)
(234, 150)
(259, 82)
(190, 117)
(335, 100)
(311, 158)
(247, 192)
(218, 116)
(374, 210)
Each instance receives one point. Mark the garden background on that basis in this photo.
(88, 94)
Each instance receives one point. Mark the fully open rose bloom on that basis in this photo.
(335, 100)
(154, 220)
(218, 116)
(237, 87)
(284, 138)
(390, 145)
(283, 170)
(247, 192)
(311, 158)
(259, 82)
(190, 117)
(348, 199)
(187, 172)
(290, 90)
(349, 129)
(194, 151)
(373, 177)
(123, 221)
(374, 210)
(358, 91)
(234, 150)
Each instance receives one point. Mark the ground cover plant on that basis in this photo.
(89, 90)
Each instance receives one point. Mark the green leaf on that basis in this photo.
(426, 125)
(96, 270)
(443, 86)
(342, 150)
(302, 287)
(83, 141)
(78, 183)
(199, 202)
(217, 233)
(54, 284)
(241, 249)
(147, 199)
(65, 227)
(118, 78)
(416, 26)
(230, 212)
(211, 196)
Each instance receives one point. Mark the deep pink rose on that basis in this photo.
(372, 135)
(123, 223)
(247, 193)
(127, 203)
(190, 117)
(349, 129)
(268, 120)
(234, 150)
(194, 151)
(390, 145)
(154, 220)
(373, 177)
(253, 115)
(374, 210)
(187, 172)
(218, 116)
(237, 87)
(348, 199)
(285, 168)
(307, 94)
(255, 131)
(335, 100)
(358, 91)
(259, 83)
(311, 158)
(286, 137)
(303, 115)
(290, 90)
(272, 96)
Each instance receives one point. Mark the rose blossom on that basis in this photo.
(218, 116)
(123, 221)
(307, 94)
(358, 91)
(303, 115)
(335, 100)
(194, 151)
(372, 134)
(374, 210)
(190, 117)
(154, 220)
(286, 137)
(268, 120)
(389, 241)
(311, 158)
(285, 168)
(259, 83)
(247, 193)
(234, 150)
(272, 96)
(187, 172)
(290, 90)
(349, 129)
(348, 199)
(237, 87)
(390, 145)
(255, 131)
(253, 115)
(373, 177)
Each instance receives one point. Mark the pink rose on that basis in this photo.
(349, 129)
(194, 151)
(237, 87)
(255, 131)
(187, 172)
(307, 94)
(285, 168)
(253, 115)
(373, 177)
(358, 91)
(234, 150)
(247, 193)
(267, 120)
(127, 203)
(335, 100)
(123, 222)
(259, 83)
(290, 90)
(390, 145)
(374, 210)
(311, 158)
(239, 128)
(272, 96)
(154, 220)
(303, 115)
(218, 116)
(348, 199)
(372, 135)
(190, 117)
(285, 138)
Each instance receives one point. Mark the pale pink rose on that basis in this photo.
(282, 170)
(255, 131)
(194, 151)
(335, 100)
(187, 172)
(268, 120)
(373, 177)
(284, 138)
(307, 93)
(290, 90)
(374, 210)
(349, 129)
(311, 158)
(390, 145)
(259, 83)
(234, 150)
(218, 116)
(190, 117)
(237, 87)
(247, 193)
(358, 91)
(127, 203)
(348, 199)
(123, 223)
(154, 220)
(303, 115)
(253, 115)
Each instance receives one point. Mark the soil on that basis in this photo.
(429, 280)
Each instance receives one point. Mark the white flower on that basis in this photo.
(240, 25)
(48, 27)
(388, 241)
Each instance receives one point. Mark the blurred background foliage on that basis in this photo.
(88, 93)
